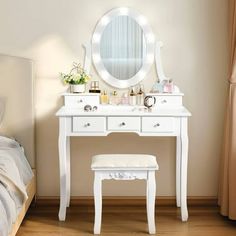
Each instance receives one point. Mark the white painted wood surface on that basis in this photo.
(184, 167)
(173, 117)
(64, 171)
(97, 189)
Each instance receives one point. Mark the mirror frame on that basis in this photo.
(150, 46)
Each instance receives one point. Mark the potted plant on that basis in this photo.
(76, 78)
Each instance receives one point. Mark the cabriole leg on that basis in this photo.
(184, 165)
(98, 202)
(151, 194)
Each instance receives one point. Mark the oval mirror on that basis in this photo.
(123, 47)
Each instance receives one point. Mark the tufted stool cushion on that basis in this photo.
(124, 161)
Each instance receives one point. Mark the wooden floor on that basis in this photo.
(117, 220)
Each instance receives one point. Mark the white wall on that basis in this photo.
(195, 55)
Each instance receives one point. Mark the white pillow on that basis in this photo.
(2, 108)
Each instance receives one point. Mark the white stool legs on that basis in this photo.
(97, 188)
(150, 194)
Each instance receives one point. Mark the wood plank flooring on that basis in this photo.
(126, 221)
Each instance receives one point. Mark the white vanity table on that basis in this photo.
(167, 118)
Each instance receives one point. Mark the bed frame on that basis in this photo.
(31, 191)
(16, 79)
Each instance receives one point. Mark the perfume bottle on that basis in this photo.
(132, 97)
(157, 87)
(94, 87)
(168, 86)
(125, 99)
(140, 96)
(114, 98)
(104, 98)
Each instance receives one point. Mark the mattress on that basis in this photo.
(15, 174)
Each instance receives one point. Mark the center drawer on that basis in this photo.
(89, 124)
(124, 123)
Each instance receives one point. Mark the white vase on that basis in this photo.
(77, 88)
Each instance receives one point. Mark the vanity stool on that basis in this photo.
(125, 167)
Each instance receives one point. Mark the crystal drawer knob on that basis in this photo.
(80, 101)
(157, 125)
(87, 125)
(164, 101)
(122, 124)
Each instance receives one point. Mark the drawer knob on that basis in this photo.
(122, 124)
(164, 101)
(87, 125)
(80, 101)
(157, 125)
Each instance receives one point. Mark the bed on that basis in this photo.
(16, 136)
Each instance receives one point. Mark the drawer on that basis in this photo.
(89, 124)
(124, 123)
(158, 124)
(168, 100)
(81, 100)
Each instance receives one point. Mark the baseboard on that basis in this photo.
(129, 201)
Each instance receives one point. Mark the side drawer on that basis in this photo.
(158, 124)
(168, 100)
(89, 124)
(124, 123)
(81, 100)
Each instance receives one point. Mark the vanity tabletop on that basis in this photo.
(109, 110)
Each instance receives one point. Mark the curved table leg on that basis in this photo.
(63, 168)
(178, 164)
(184, 165)
(97, 188)
(68, 176)
(151, 193)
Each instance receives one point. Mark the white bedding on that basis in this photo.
(15, 174)
(2, 108)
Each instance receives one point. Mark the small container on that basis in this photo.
(168, 86)
(132, 97)
(125, 99)
(157, 87)
(104, 98)
(114, 100)
(94, 87)
(140, 96)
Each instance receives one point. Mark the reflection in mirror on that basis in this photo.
(123, 47)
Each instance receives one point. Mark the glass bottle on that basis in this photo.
(168, 86)
(132, 97)
(140, 96)
(125, 99)
(104, 98)
(114, 98)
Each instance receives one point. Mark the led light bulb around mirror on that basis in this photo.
(142, 20)
(96, 38)
(141, 73)
(104, 74)
(105, 20)
(124, 10)
(96, 58)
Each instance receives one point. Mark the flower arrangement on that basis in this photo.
(76, 76)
